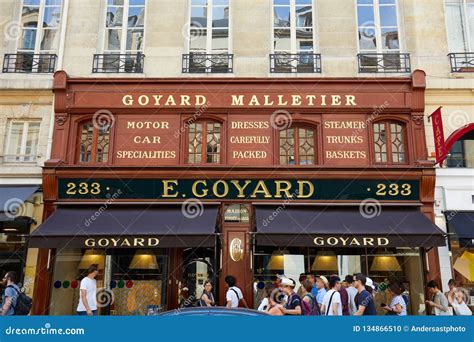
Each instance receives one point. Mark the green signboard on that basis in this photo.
(239, 189)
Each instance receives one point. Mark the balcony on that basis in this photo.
(462, 61)
(29, 63)
(295, 63)
(384, 62)
(202, 63)
(130, 63)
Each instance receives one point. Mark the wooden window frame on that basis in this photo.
(95, 136)
(296, 146)
(204, 123)
(388, 142)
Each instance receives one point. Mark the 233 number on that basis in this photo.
(393, 189)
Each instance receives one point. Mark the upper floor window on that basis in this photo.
(297, 146)
(22, 141)
(389, 142)
(293, 30)
(378, 26)
(460, 25)
(94, 141)
(461, 154)
(209, 27)
(204, 142)
(124, 26)
(40, 22)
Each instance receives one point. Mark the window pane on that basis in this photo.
(103, 140)
(49, 41)
(112, 39)
(380, 143)
(53, 2)
(213, 143)
(199, 16)
(304, 16)
(28, 39)
(367, 40)
(304, 40)
(306, 146)
(114, 17)
(220, 39)
(220, 17)
(470, 23)
(137, 2)
(282, 41)
(31, 2)
(388, 16)
(32, 141)
(220, 2)
(287, 146)
(134, 39)
(136, 16)
(455, 28)
(365, 15)
(397, 141)
(14, 141)
(85, 149)
(282, 16)
(195, 143)
(390, 39)
(29, 16)
(197, 40)
(52, 16)
(115, 2)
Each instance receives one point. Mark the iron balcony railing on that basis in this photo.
(462, 61)
(129, 63)
(295, 63)
(384, 62)
(203, 63)
(29, 63)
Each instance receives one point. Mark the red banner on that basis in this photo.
(438, 132)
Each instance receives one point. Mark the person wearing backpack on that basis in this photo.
(332, 305)
(234, 295)
(309, 304)
(14, 301)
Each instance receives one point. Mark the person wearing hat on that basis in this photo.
(321, 284)
(293, 305)
(364, 300)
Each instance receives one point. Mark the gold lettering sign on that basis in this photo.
(235, 250)
(119, 242)
(362, 241)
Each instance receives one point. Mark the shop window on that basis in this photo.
(22, 141)
(297, 146)
(94, 142)
(204, 142)
(461, 154)
(236, 213)
(130, 281)
(389, 142)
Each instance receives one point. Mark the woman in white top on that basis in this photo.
(456, 300)
(397, 305)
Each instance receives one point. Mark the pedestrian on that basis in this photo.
(364, 300)
(352, 291)
(274, 302)
(265, 303)
(332, 305)
(452, 284)
(234, 295)
(293, 305)
(456, 299)
(397, 305)
(321, 284)
(300, 288)
(12, 291)
(344, 300)
(309, 303)
(207, 298)
(88, 293)
(439, 303)
(312, 278)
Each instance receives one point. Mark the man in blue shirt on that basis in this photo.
(11, 294)
(364, 300)
(321, 284)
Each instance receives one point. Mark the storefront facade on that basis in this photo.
(168, 182)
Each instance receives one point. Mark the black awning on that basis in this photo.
(344, 227)
(12, 197)
(126, 227)
(461, 223)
